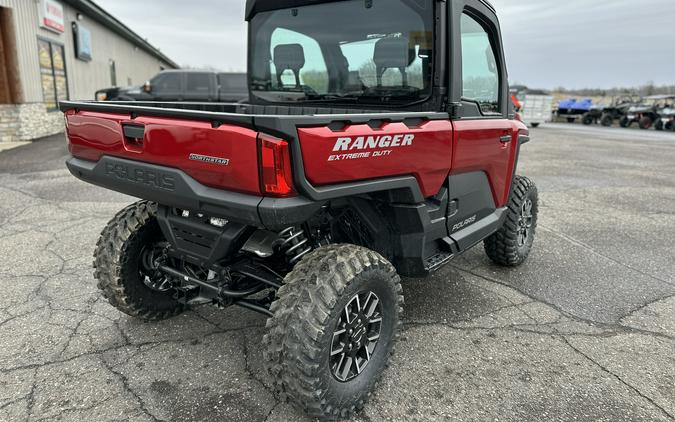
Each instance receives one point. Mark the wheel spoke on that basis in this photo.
(346, 368)
(340, 350)
(358, 367)
(371, 304)
(347, 314)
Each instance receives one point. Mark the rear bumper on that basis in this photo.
(172, 187)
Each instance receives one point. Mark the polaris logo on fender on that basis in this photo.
(373, 142)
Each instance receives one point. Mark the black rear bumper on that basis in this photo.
(172, 187)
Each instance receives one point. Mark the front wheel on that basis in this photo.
(334, 326)
(511, 245)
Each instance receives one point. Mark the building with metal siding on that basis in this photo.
(53, 50)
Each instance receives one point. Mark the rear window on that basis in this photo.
(354, 52)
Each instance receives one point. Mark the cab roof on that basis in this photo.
(256, 6)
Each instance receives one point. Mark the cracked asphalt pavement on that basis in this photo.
(584, 331)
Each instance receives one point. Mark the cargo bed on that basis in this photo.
(206, 155)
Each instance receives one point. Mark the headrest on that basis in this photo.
(289, 56)
(393, 52)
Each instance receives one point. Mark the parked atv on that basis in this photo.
(665, 113)
(308, 204)
(618, 110)
(667, 116)
(647, 114)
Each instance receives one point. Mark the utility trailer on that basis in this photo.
(537, 108)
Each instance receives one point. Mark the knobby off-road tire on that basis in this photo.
(511, 245)
(607, 121)
(117, 264)
(308, 315)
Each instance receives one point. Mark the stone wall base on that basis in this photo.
(25, 122)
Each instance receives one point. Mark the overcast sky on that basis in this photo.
(549, 43)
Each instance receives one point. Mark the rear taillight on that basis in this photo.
(276, 177)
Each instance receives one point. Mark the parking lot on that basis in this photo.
(585, 330)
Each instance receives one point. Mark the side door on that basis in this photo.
(168, 86)
(200, 86)
(485, 135)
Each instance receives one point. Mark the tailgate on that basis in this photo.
(224, 157)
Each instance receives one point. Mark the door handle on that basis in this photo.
(506, 139)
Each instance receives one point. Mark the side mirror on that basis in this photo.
(147, 87)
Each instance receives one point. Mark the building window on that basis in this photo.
(53, 73)
(113, 72)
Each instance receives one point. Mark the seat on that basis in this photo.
(289, 57)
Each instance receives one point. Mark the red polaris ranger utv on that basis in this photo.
(379, 142)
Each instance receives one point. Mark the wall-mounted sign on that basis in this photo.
(51, 16)
(82, 37)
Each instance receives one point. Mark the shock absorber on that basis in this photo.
(293, 244)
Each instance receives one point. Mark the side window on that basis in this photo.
(295, 54)
(168, 82)
(480, 73)
(198, 83)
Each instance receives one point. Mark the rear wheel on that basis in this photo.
(334, 326)
(607, 120)
(646, 122)
(123, 263)
(534, 125)
(659, 125)
(512, 244)
(571, 120)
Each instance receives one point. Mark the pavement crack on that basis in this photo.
(617, 377)
(583, 245)
(125, 383)
(249, 372)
